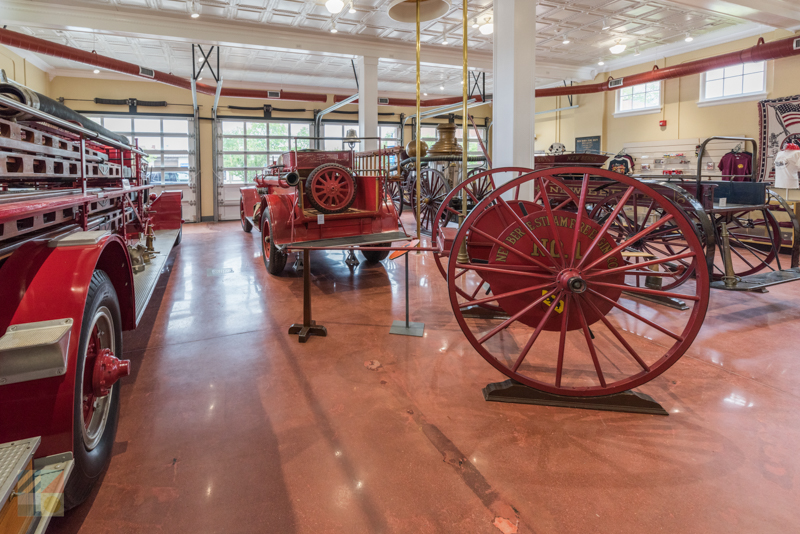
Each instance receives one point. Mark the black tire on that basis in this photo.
(275, 261)
(179, 238)
(91, 460)
(375, 256)
(247, 226)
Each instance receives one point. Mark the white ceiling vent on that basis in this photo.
(616, 82)
(383, 101)
(273, 94)
(144, 71)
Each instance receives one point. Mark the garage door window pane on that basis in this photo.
(233, 128)
(176, 143)
(233, 144)
(176, 126)
(149, 143)
(147, 126)
(122, 126)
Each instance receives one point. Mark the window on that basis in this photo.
(165, 139)
(246, 148)
(738, 83)
(639, 99)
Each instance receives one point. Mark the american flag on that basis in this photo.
(789, 114)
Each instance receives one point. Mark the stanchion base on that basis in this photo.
(414, 329)
(658, 299)
(628, 401)
(306, 331)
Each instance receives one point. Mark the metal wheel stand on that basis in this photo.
(406, 328)
(627, 401)
(309, 327)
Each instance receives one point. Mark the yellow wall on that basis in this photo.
(684, 118)
(80, 93)
(21, 71)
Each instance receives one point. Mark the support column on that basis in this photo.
(513, 105)
(368, 100)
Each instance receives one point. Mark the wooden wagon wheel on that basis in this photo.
(755, 239)
(395, 191)
(559, 275)
(331, 188)
(433, 188)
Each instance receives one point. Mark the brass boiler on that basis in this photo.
(447, 145)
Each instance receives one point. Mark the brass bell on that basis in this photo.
(411, 148)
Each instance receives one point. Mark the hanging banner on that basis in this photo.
(780, 125)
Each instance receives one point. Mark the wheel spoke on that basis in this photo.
(618, 336)
(536, 332)
(562, 340)
(519, 270)
(630, 266)
(579, 219)
(606, 225)
(553, 233)
(508, 322)
(624, 244)
(647, 291)
(637, 316)
(529, 232)
(504, 295)
(588, 335)
(510, 249)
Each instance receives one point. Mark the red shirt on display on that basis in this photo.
(736, 165)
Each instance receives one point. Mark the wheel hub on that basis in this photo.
(570, 280)
(107, 370)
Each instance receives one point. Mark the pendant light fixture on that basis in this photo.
(487, 28)
(618, 48)
(406, 10)
(334, 6)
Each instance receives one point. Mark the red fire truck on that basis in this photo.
(82, 243)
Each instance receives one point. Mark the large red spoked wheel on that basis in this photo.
(331, 188)
(575, 325)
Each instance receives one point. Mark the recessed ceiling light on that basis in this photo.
(475, 24)
(193, 10)
(425, 94)
(333, 28)
(441, 87)
(689, 38)
(601, 62)
(352, 8)
(566, 39)
(618, 48)
(487, 28)
(96, 71)
(334, 6)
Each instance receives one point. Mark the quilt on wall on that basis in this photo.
(780, 125)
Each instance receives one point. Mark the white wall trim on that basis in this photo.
(750, 97)
(647, 111)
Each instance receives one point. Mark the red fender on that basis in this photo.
(249, 199)
(40, 283)
(280, 217)
(166, 210)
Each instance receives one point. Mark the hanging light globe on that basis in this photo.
(334, 6)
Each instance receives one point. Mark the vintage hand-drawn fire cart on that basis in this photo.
(81, 248)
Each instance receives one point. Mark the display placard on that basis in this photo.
(588, 145)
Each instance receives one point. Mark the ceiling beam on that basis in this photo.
(776, 13)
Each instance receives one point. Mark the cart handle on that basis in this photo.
(724, 138)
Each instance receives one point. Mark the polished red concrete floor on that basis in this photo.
(230, 425)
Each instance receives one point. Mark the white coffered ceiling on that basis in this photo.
(287, 43)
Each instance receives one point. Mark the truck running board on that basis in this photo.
(145, 282)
